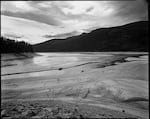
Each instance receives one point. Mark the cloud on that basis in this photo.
(13, 36)
(33, 16)
(16, 6)
(62, 35)
(134, 9)
(36, 19)
(28, 30)
(89, 9)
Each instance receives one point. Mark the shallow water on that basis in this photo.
(39, 65)
(13, 66)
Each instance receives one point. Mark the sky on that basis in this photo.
(39, 21)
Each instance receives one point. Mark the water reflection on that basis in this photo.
(52, 60)
(37, 66)
(40, 60)
(42, 63)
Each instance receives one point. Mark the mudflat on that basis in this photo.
(65, 85)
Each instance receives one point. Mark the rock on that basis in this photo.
(76, 109)
(36, 117)
(60, 68)
(73, 117)
(25, 113)
(67, 111)
(110, 115)
(102, 114)
(81, 116)
(16, 116)
(48, 109)
(55, 111)
(3, 113)
(31, 105)
(28, 113)
(67, 114)
(14, 109)
(123, 110)
(59, 117)
(20, 108)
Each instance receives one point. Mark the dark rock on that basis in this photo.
(81, 116)
(14, 109)
(35, 111)
(29, 113)
(68, 111)
(102, 114)
(4, 113)
(59, 117)
(17, 116)
(55, 111)
(60, 68)
(123, 110)
(32, 105)
(20, 108)
(73, 117)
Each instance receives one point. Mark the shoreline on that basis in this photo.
(114, 82)
(120, 59)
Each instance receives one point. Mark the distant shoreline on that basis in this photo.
(118, 58)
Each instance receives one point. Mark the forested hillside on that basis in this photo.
(13, 46)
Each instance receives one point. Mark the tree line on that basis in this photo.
(13, 46)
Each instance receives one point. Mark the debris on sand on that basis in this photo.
(123, 110)
(60, 68)
(82, 70)
(86, 94)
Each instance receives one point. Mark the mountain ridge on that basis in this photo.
(128, 37)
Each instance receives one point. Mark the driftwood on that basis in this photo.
(86, 94)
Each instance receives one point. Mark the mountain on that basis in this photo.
(129, 37)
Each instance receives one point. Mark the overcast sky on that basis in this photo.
(38, 21)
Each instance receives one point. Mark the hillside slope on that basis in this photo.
(14, 46)
(130, 37)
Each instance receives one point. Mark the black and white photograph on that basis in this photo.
(74, 59)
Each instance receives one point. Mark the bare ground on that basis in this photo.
(111, 87)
